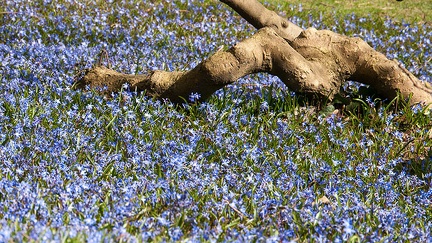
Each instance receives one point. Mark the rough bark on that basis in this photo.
(308, 61)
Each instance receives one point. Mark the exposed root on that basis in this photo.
(309, 61)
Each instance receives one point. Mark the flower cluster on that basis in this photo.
(248, 165)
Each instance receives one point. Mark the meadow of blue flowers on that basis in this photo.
(248, 165)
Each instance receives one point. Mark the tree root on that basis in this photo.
(312, 62)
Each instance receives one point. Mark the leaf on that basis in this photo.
(327, 110)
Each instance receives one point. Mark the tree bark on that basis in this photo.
(311, 62)
(259, 17)
(265, 51)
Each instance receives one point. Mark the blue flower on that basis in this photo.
(193, 97)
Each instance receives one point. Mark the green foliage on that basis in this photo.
(414, 11)
(253, 163)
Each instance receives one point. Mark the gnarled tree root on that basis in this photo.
(314, 63)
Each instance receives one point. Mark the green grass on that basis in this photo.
(411, 11)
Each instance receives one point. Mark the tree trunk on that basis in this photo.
(311, 62)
